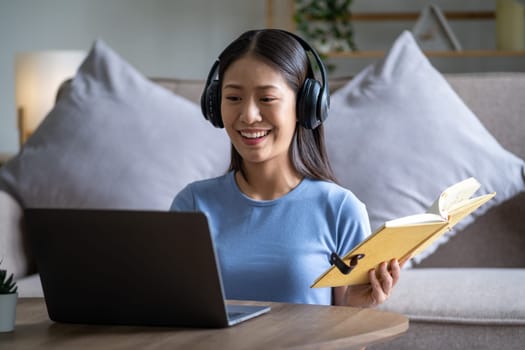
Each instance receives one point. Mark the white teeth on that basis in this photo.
(254, 135)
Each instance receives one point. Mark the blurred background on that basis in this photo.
(182, 38)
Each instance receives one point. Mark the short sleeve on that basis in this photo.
(184, 200)
(353, 226)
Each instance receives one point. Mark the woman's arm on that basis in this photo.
(382, 281)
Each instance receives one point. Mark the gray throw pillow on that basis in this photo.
(115, 140)
(398, 135)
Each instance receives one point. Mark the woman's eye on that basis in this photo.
(233, 98)
(268, 99)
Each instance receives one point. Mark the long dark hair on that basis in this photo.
(285, 54)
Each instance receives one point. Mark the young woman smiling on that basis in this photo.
(278, 214)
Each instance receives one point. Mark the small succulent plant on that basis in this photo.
(7, 283)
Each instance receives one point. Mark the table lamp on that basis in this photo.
(38, 76)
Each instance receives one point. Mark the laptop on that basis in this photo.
(130, 267)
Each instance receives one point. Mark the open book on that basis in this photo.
(405, 237)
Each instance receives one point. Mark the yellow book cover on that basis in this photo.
(405, 237)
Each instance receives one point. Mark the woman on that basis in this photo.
(278, 214)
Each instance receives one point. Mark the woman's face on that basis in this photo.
(258, 111)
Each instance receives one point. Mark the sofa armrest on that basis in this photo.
(13, 245)
(488, 296)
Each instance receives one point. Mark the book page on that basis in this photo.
(425, 218)
(454, 196)
(457, 215)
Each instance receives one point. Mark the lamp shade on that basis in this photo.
(37, 78)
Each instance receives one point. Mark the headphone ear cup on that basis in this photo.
(211, 104)
(307, 104)
(323, 106)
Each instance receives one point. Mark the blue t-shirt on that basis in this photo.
(274, 250)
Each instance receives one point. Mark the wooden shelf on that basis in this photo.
(412, 16)
(458, 54)
(286, 8)
(280, 14)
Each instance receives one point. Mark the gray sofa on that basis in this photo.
(467, 294)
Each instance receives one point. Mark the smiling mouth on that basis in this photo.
(254, 135)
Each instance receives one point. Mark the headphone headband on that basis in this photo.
(308, 47)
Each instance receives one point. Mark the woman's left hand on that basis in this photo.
(382, 281)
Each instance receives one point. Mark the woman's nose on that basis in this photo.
(250, 112)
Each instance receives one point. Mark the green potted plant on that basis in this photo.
(8, 299)
(327, 23)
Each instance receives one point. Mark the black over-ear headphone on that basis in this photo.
(313, 98)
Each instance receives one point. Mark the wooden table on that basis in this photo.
(287, 326)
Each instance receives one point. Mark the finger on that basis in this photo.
(385, 278)
(374, 280)
(377, 295)
(395, 271)
(380, 268)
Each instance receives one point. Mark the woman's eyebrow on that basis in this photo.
(267, 87)
(232, 86)
(260, 87)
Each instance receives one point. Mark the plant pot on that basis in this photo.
(8, 311)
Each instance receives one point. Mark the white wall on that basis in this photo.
(181, 38)
(177, 38)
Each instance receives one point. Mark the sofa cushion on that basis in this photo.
(398, 135)
(467, 296)
(497, 100)
(115, 140)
